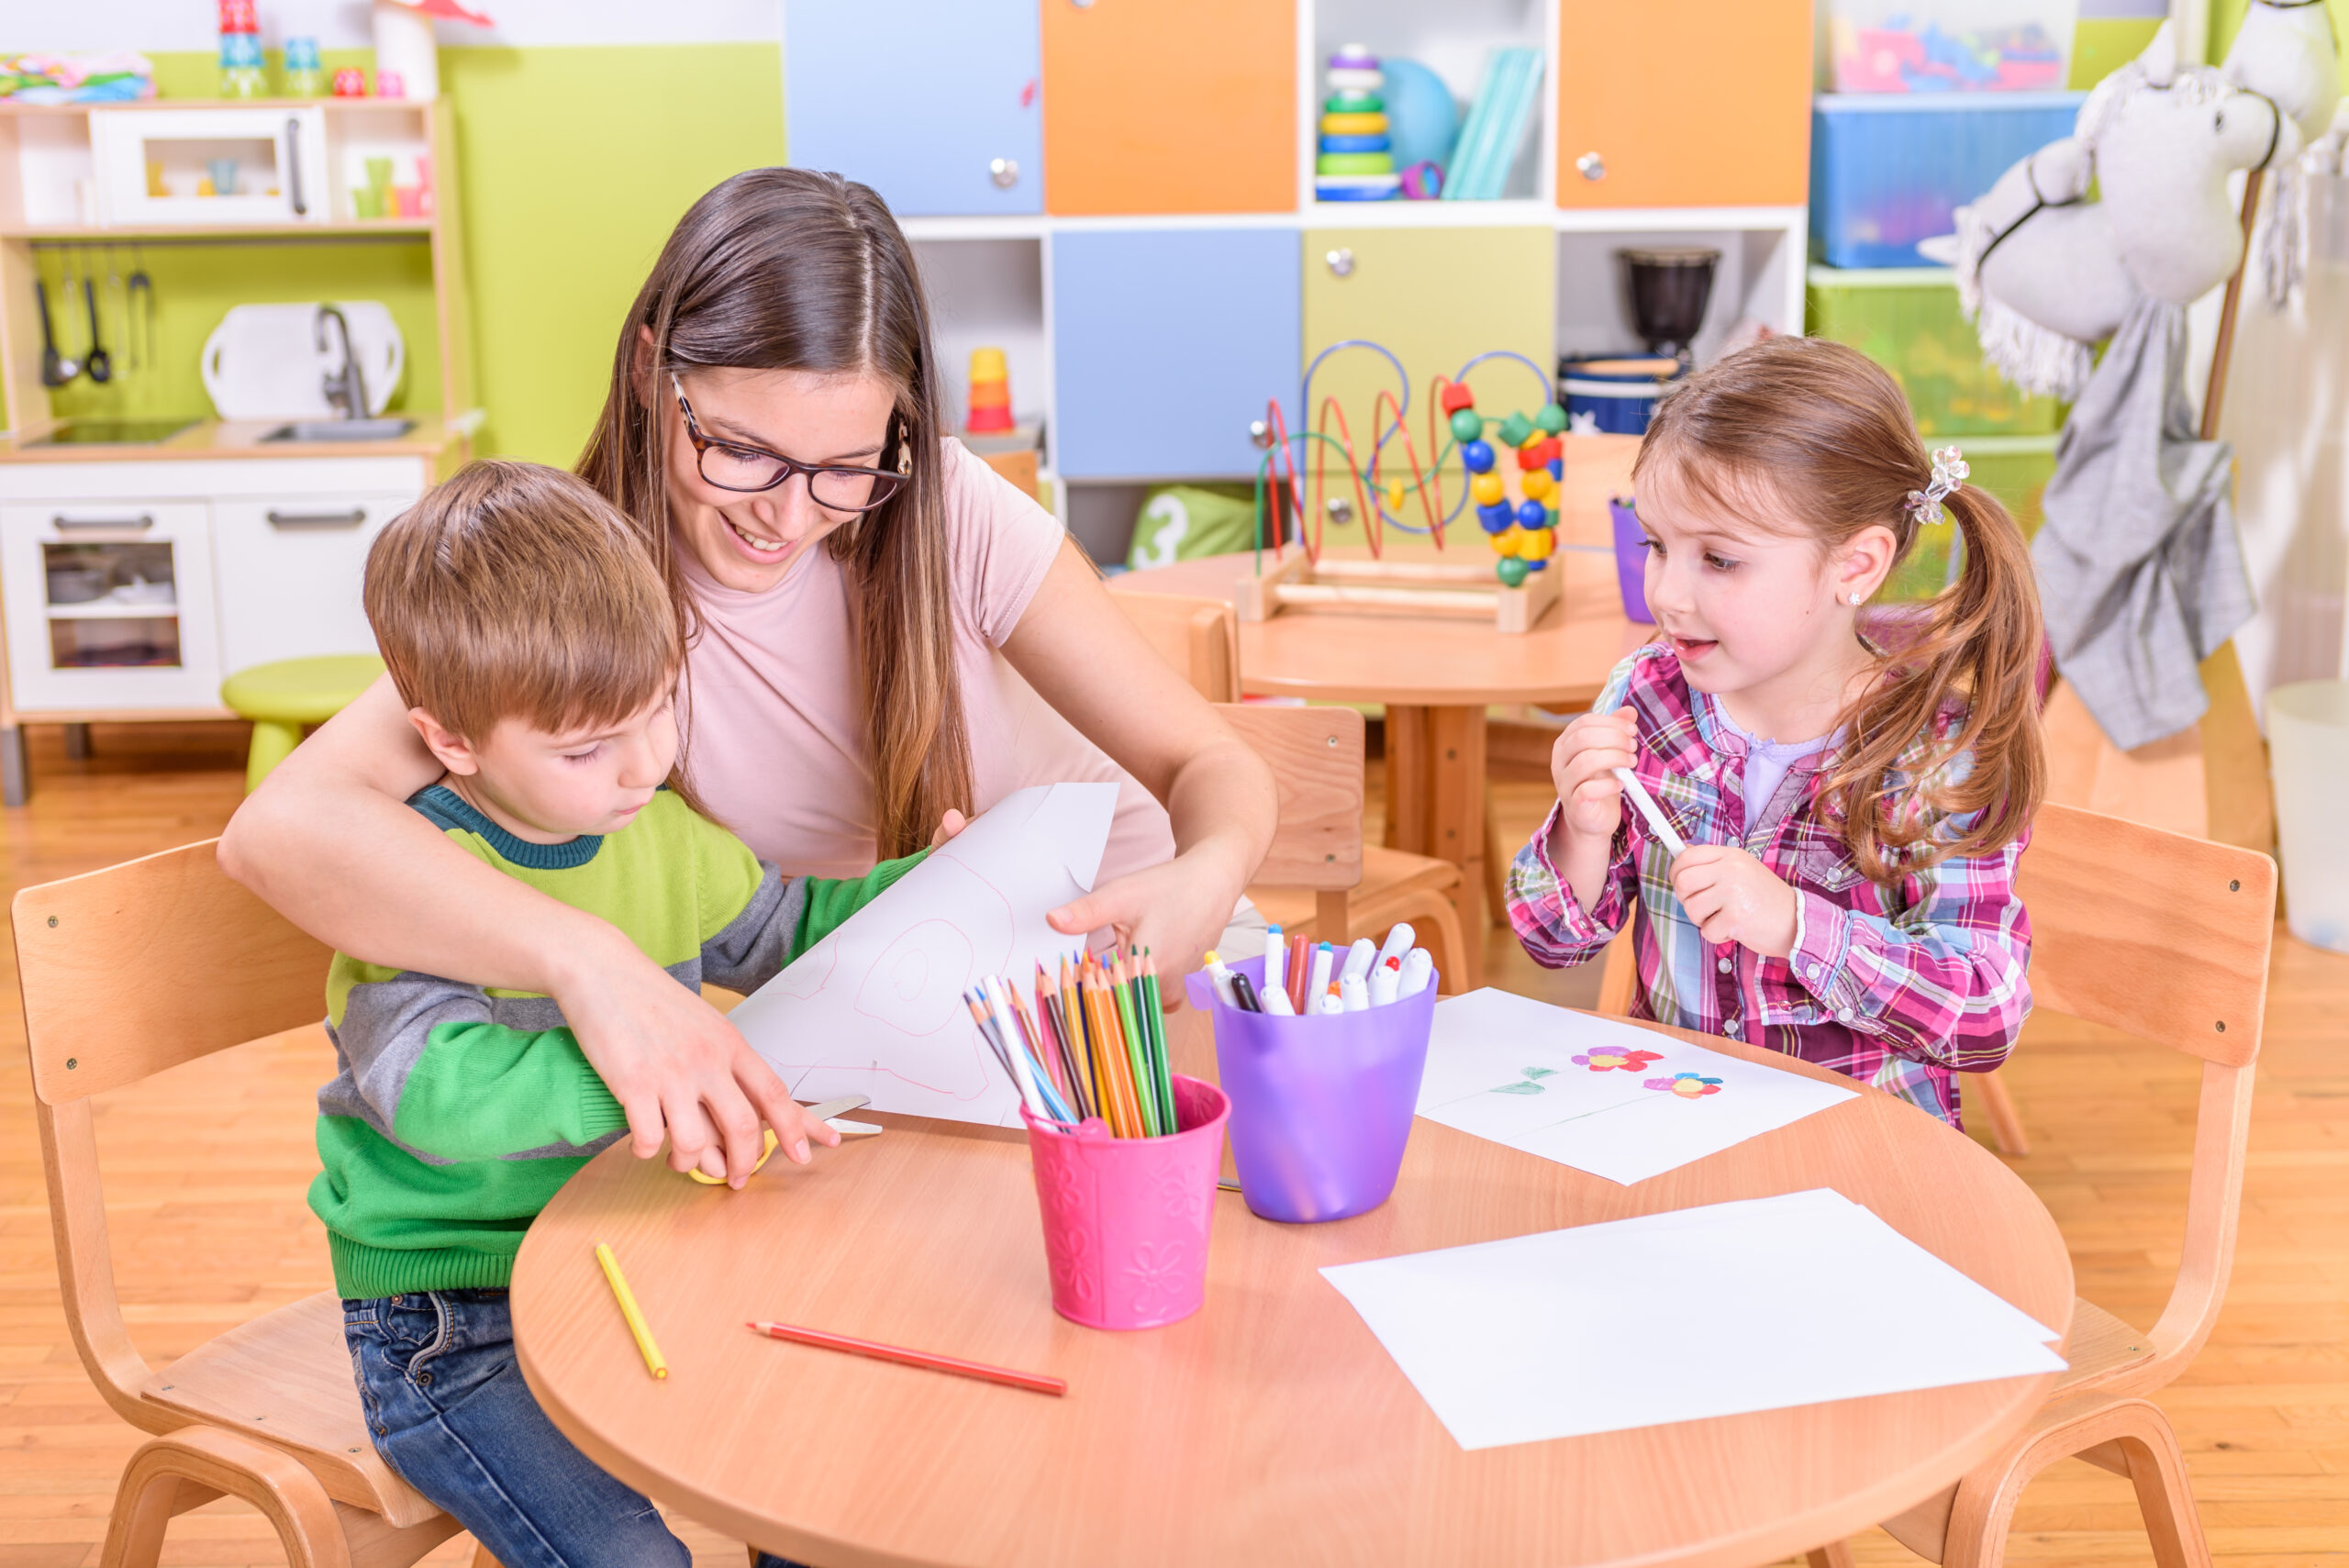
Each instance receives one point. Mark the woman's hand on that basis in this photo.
(674, 1062)
(954, 822)
(1176, 910)
(1735, 898)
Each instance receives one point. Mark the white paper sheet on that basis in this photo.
(1757, 1304)
(876, 1007)
(1610, 1098)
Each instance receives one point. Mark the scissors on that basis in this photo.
(823, 1112)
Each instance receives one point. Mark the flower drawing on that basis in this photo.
(1610, 1059)
(1530, 1084)
(1687, 1085)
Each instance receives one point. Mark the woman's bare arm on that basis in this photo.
(329, 841)
(1086, 658)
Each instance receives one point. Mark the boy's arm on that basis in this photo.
(438, 1077)
(785, 916)
(1946, 982)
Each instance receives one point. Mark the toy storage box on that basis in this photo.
(1908, 320)
(1889, 170)
(1944, 45)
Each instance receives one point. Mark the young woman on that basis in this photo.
(880, 629)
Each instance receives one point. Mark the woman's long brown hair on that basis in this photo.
(1827, 432)
(790, 269)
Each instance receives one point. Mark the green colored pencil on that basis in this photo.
(1153, 1008)
(1137, 1052)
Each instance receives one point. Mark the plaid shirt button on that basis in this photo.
(1730, 1025)
(1725, 964)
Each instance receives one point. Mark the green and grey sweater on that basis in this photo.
(458, 1110)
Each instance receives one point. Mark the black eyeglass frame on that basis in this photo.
(885, 482)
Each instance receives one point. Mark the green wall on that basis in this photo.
(573, 165)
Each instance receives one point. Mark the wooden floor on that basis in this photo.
(208, 1164)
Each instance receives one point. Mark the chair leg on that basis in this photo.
(1998, 1107)
(1496, 869)
(2158, 1469)
(156, 1485)
(1834, 1554)
(272, 743)
(1984, 1507)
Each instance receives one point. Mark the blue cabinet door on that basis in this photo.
(918, 99)
(1167, 343)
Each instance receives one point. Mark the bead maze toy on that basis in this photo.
(1514, 593)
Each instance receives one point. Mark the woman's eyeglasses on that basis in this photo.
(753, 469)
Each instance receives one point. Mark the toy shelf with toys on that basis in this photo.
(1150, 292)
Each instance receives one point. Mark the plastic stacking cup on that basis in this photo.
(1322, 1104)
(1126, 1219)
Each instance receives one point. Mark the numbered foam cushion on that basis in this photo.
(1353, 125)
(1181, 522)
(1353, 144)
(1353, 163)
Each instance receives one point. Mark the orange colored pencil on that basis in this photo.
(1113, 1052)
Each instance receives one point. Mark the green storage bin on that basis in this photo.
(1907, 320)
(2014, 468)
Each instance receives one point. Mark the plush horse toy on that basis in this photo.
(2140, 568)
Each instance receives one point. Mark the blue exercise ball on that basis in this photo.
(1422, 120)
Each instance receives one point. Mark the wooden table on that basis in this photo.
(1436, 675)
(1271, 1427)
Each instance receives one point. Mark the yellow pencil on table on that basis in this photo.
(629, 1310)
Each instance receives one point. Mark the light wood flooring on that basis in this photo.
(208, 1164)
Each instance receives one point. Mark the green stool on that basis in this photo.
(283, 697)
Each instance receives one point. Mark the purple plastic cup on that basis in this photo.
(1630, 558)
(1321, 1106)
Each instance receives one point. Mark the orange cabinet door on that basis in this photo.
(1170, 106)
(1683, 103)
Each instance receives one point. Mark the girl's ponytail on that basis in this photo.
(1980, 647)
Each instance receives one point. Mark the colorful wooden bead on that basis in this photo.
(1457, 397)
(1476, 455)
(1536, 544)
(1504, 541)
(1511, 571)
(1537, 484)
(1353, 101)
(1466, 425)
(1496, 519)
(1487, 489)
(1551, 418)
(1393, 495)
(1353, 125)
(1516, 429)
(1557, 467)
(1540, 453)
(1531, 515)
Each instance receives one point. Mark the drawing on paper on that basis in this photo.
(1687, 1085)
(1613, 1059)
(876, 1007)
(1529, 1083)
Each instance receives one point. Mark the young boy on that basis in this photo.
(538, 650)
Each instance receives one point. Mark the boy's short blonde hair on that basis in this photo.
(515, 591)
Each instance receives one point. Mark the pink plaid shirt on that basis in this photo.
(1903, 984)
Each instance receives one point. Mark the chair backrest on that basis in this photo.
(1199, 636)
(126, 972)
(2166, 938)
(1315, 756)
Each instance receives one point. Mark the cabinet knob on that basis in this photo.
(1005, 173)
(1592, 165)
(1341, 261)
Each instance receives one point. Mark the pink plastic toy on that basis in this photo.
(350, 83)
(1126, 1219)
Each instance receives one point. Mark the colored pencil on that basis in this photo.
(1154, 1009)
(1137, 1048)
(636, 1324)
(1108, 1056)
(1080, 1036)
(935, 1363)
(1049, 1012)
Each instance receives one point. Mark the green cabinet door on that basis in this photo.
(1435, 298)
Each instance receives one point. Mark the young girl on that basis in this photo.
(1854, 791)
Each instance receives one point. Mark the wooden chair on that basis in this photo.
(1200, 637)
(126, 972)
(2165, 937)
(1316, 879)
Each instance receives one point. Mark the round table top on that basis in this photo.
(1417, 660)
(1271, 1427)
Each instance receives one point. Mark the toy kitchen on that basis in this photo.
(232, 348)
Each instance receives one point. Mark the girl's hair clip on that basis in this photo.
(1948, 473)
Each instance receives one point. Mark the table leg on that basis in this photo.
(1435, 793)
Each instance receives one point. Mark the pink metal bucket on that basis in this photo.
(1126, 1219)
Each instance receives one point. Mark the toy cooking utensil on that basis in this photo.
(138, 313)
(56, 370)
(100, 364)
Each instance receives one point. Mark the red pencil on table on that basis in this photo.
(853, 1346)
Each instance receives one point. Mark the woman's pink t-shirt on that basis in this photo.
(779, 743)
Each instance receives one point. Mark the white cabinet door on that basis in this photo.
(290, 573)
(110, 605)
(150, 162)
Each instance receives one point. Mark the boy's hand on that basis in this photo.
(954, 822)
(1582, 765)
(1735, 898)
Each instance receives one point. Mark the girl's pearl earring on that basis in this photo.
(1855, 599)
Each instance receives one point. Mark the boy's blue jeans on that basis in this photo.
(449, 1410)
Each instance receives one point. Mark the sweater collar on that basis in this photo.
(445, 809)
